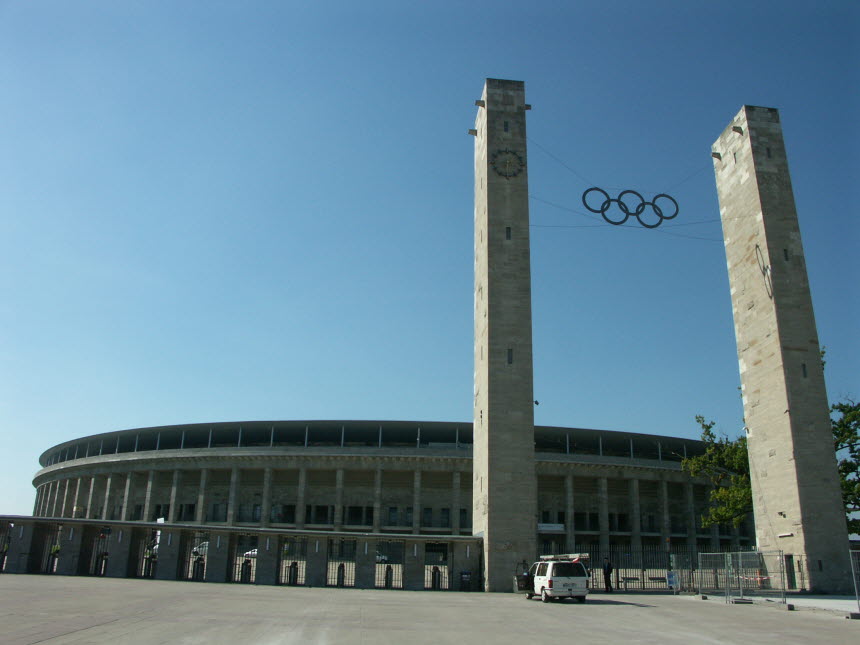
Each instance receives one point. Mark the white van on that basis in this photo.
(559, 576)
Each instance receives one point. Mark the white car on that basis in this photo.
(558, 576)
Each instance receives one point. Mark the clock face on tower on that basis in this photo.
(507, 163)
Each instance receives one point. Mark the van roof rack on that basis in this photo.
(565, 556)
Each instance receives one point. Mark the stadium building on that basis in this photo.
(378, 492)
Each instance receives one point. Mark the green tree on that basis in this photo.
(845, 418)
(725, 464)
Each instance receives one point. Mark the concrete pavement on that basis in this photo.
(61, 610)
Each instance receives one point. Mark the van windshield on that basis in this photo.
(569, 570)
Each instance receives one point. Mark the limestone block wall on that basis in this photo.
(798, 506)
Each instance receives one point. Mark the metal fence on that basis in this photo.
(243, 558)
(743, 575)
(855, 574)
(650, 568)
(194, 554)
(436, 563)
(389, 564)
(145, 552)
(5, 538)
(340, 570)
(294, 553)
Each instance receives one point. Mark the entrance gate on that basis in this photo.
(98, 556)
(243, 558)
(51, 549)
(436, 566)
(5, 538)
(389, 564)
(195, 552)
(291, 570)
(340, 571)
(145, 550)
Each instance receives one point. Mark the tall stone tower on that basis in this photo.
(504, 490)
(796, 495)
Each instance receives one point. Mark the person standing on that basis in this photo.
(607, 575)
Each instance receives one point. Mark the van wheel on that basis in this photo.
(529, 596)
(544, 596)
(580, 599)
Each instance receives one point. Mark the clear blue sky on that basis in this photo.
(215, 211)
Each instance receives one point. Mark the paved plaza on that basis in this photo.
(58, 609)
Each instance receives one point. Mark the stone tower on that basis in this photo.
(796, 496)
(504, 485)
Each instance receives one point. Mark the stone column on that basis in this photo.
(300, 499)
(65, 498)
(70, 540)
(338, 499)
(49, 505)
(43, 502)
(174, 495)
(43, 499)
(266, 503)
(119, 546)
(690, 506)
(603, 512)
(413, 567)
(126, 495)
(267, 560)
(106, 506)
(75, 506)
(46, 501)
(416, 502)
(55, 496)
(147, 500)
(665, 519)
(455, 503)
(635, 516)
(569, 510)
(37, 504)
(231, 498)
(89, 514)
(200, 511)
(365, 564)
(316, 559)
(218, 557)
(377, 500)
(168, 556)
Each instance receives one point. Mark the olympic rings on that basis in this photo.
(629, 202)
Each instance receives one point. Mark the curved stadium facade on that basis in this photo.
(385, 504)
(594, 487)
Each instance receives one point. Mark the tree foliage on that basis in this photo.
(845, 419)
(725, 464)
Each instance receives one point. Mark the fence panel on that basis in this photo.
(294, 553)
(855, 571)
(740, 575)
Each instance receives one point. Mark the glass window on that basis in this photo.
(569, 570)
